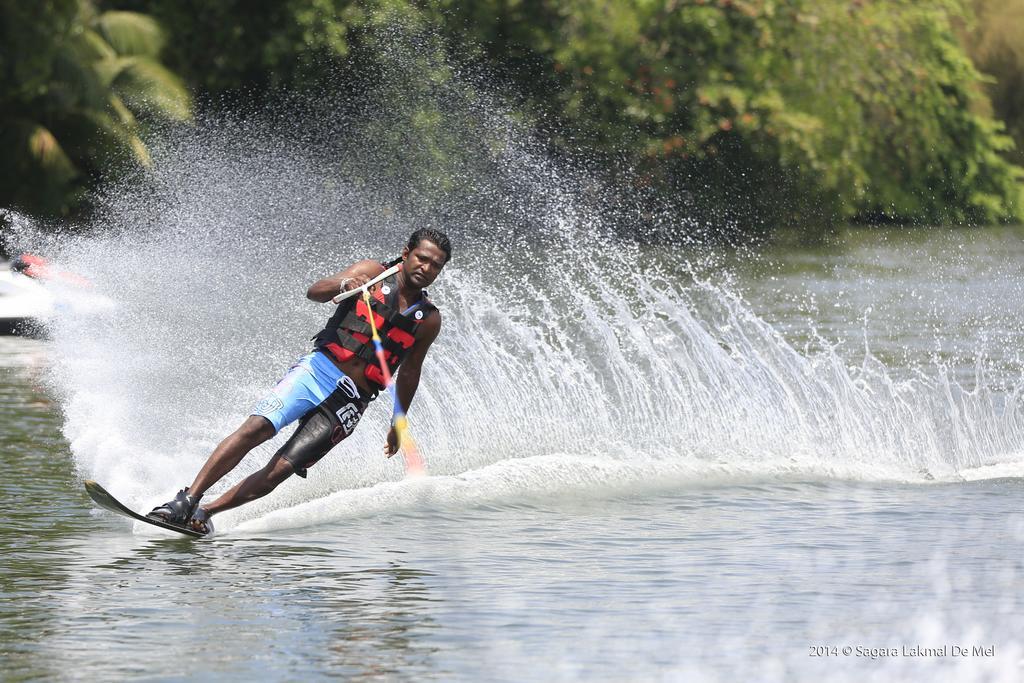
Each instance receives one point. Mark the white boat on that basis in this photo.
(24, 303)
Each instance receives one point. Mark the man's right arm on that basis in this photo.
(354, 276)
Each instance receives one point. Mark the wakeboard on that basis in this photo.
(102, 497)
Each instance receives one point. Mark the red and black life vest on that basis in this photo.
(348, 332)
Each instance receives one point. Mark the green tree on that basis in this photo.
(995, 42)
(766, 112)
(76, 83)
(903, 113)
(242, 49)
(797, 110)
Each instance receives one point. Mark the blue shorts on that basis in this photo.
(306, 386)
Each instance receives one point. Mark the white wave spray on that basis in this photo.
(571, 362)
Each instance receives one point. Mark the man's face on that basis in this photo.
(423, 263)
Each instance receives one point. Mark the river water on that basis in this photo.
(801, 465)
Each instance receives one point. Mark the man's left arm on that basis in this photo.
(408, 379)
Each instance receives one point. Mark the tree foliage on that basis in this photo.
(76, 82)
(800, 109)
(240, 49)
(995, 42)
(759, 112)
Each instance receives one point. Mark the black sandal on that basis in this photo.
(202, 521)
(178, 511)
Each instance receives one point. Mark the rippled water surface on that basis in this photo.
(655, 564)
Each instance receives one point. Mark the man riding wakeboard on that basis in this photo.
(329, 389)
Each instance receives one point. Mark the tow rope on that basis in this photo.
(413, 461)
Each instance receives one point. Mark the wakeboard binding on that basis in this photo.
(177, 511)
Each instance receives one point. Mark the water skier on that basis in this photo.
(328, 390)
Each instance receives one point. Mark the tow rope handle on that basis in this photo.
(413, 461)
(355, 290)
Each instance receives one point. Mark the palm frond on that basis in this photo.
(36, 174)
(146, 86)
(98, 141)
(140, 151)
(46, 153)
(131, 33)
(75, 80)
(90, 46)
(124, 115)
(107, 70)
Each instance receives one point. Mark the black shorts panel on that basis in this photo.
(322, 429)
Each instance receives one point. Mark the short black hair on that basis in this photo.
(432, 235)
